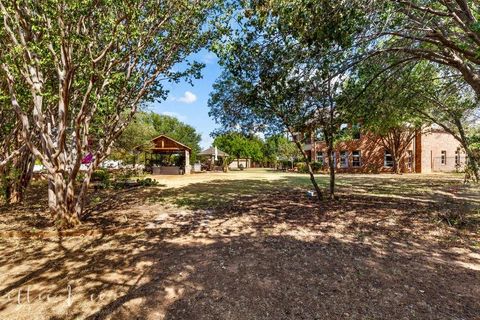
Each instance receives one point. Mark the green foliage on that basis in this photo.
(301, 167)
(475, 141)
(335, 21)
(286, 164)
(278, 147)
(102, 177)
(317, 166)
(147, 182)
(384, 102)
(285, 65)
(405, 29)
(177, 130)
(125, 174)
(266, 152)
(275, 79)
(149, 125)
(78, 71)
(137, 134)
(473, 136)
(412, 95)
(238, 145)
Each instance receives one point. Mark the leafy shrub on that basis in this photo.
(286, 164)
(147, 182)
(317, 166)
(125, 174)
(301, 167)
(101, 176)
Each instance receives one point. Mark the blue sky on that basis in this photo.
(189, 103)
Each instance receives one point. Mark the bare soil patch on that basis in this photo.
(253, 246)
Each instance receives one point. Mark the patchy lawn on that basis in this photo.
(250, 245)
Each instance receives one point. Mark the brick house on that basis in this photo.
(432, 150)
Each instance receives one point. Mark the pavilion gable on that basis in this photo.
(163, 143)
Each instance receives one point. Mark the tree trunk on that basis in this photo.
(26, 164)
(471, 168)
(396, 169)
(314, 182)
(79, 204)
(310, 171)
(397, 141)
(61, 201)
(17, 176)
(331, 166)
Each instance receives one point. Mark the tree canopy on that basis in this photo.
(78, 71)
(238, 145)
(147, 125)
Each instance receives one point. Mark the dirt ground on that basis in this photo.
(250, 245)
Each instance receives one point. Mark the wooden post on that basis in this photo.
(188, 167)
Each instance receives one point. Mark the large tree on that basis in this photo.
(445, 32)
(240, 146)
(147, 125)
(279, 147)
(87, 67)
(450, 104)
(276, 106)
(447, 35)
(398, 101)
(276, 78)
(384, 106)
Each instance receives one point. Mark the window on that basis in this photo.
(334, 158)
(356, 159)
(320, 157)
(388, 159)
(356, 131)
(457, 158)
(409, 159)
(443, 159)
(343, 159)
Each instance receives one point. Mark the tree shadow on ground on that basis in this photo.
(245, 277)
(132, 208)
(428, 200)
(253, 249)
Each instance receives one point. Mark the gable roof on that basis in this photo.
(165, 143)
(171, 139)
(211, 152)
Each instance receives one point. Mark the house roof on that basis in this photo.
(164, 143)
(211, 152)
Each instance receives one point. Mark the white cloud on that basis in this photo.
(209, 57)
(188, 97)
(175, 115)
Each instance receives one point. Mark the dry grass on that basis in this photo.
(251, 245)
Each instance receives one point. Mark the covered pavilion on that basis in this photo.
(162, 146)
(213, 154)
